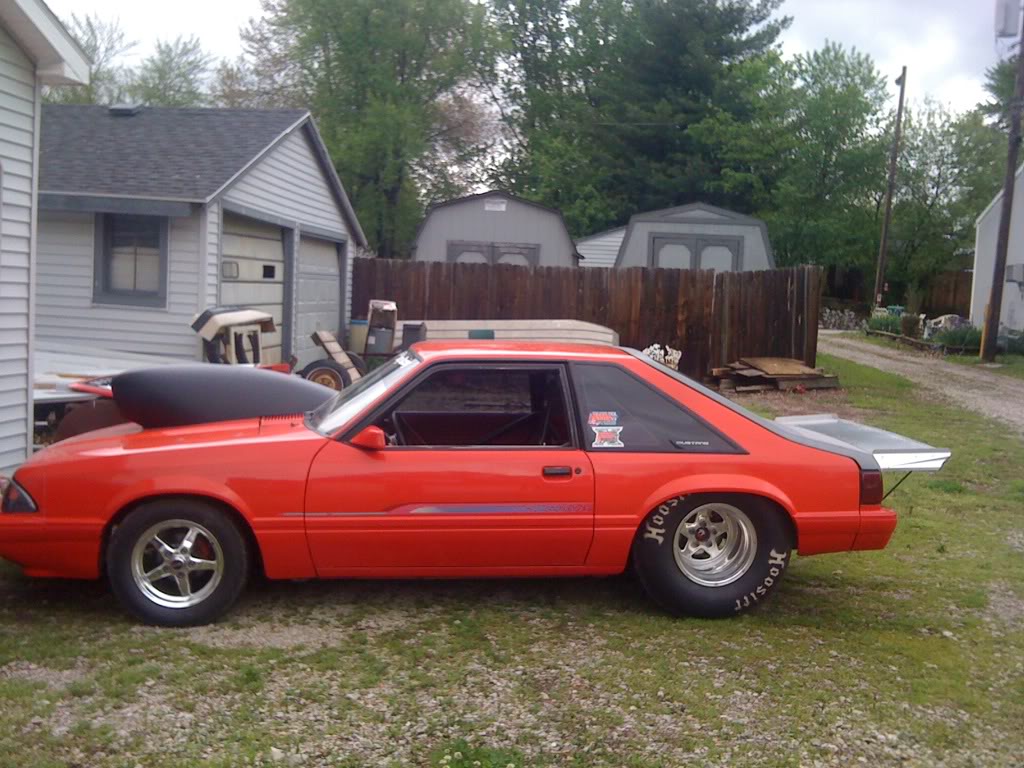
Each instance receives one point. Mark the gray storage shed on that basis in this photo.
(149, 215)
(695, 236)
(495, 228)
(35, 51)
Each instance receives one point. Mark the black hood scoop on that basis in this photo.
(181, 395)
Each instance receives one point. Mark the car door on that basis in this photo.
(483, 471)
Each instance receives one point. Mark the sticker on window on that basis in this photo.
(607, 437)
(603, 418)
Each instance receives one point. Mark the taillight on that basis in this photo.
(870, 487)
(15, 498)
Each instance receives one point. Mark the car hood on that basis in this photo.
(132, 438)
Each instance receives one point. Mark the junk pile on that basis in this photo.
(840, 320)
(765, 374)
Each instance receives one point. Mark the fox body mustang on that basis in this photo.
(472, 459)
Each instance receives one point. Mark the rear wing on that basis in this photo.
(891, 451)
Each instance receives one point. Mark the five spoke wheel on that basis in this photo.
(177, 563)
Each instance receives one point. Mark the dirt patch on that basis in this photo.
(975, 389)
(33, 673)
(1004, 605)
(797, 403)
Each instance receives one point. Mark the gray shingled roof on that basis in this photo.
(160, 152)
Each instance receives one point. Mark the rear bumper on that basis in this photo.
(876, 527)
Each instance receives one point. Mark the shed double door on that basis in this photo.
(722, 254)
(519, 254)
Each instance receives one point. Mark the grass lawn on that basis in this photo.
(910, 656)
(1009, 365)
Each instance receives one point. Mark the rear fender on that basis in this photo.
(718, 483)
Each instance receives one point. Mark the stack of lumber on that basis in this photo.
(763, 374)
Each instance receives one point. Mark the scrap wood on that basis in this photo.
(778, 366)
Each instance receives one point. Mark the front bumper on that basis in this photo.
(45, 549)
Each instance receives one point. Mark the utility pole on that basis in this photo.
(994, 310)
(883, 246)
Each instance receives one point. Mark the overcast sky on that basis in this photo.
(945, 44)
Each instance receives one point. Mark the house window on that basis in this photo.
(131, 260)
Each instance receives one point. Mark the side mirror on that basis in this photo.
(371, 439)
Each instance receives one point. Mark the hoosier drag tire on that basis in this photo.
(177, 562)
(712, 556)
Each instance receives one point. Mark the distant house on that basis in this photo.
(495, 228)
(986, 231)
(696, 236)
(149, 215)
(35, 51)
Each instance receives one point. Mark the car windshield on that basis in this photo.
(349, 402)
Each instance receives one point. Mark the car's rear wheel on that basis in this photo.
(177, 562)
(712, 555)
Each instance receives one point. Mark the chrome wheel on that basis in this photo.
(715, 544)
(177, 563)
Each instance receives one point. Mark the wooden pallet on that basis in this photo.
(766, 374)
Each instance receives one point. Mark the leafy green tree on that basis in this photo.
(951, 167)
(383, 78)
(999, 81)
(174, 75)
(601, 97)
(104, 42)
(824, 206)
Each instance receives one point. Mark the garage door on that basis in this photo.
(253, 274)
(318, 299)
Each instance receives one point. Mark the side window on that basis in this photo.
(620, 412)
(457, 406)
(131, 260)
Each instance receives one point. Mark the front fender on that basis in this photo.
(177, 485)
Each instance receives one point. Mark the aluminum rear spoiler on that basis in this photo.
(891, 451)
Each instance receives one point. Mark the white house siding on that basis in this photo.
(986, 232)
(290, 183)
(65, 311)
(600, 250)
(18, 129)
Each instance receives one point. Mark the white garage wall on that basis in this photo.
(65, 311)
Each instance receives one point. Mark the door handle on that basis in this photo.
(557, 471)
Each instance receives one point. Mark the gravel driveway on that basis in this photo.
(985, 392)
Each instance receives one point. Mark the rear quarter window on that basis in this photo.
(621, 412)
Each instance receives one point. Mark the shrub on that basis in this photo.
(910, 325)
(966, 336)
(886, 323)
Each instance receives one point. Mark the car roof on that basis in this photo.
(456, 349)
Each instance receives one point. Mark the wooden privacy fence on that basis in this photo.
(713, 319)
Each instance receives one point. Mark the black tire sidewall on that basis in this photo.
(661, 577)
(138, 521)
(344, 377)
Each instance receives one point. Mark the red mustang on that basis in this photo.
(464, 459)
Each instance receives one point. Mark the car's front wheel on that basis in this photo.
(177, 562)
(712, 556)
